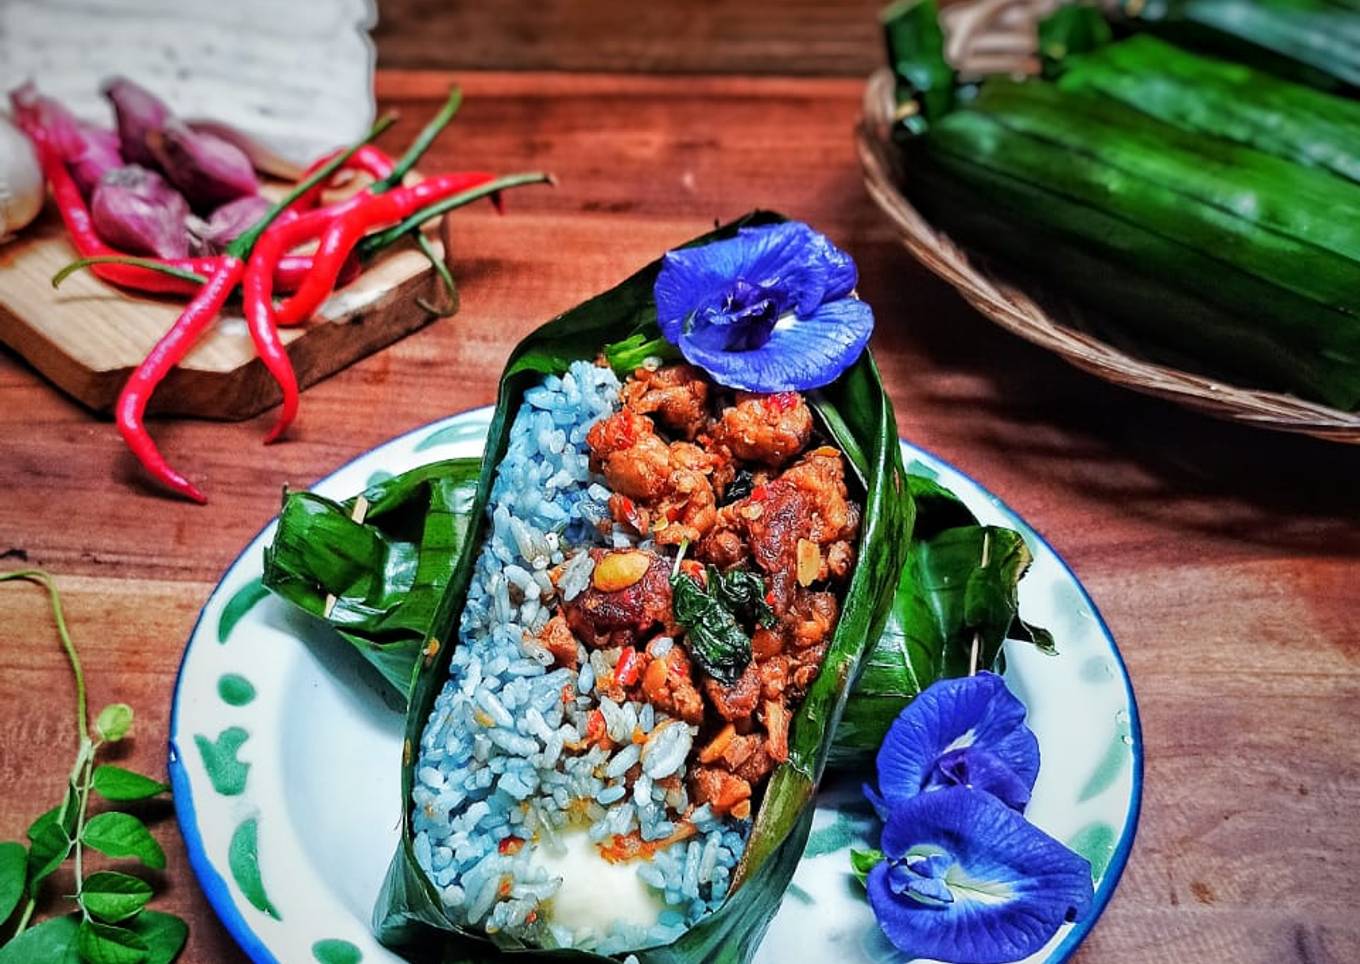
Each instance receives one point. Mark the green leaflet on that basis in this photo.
(956, 603)
(379, 581)
(13, 874)
(857, 414)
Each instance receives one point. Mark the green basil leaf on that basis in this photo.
(112, 896)
(13, 876)
(123, 835)
(714, 638)
(51, 942)
(106, 944)
(863, 861)
(163, 934)
(115, 783)
(114, 722)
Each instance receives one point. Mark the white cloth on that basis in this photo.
(296, 76)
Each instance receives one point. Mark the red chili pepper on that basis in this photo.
(627, 668)
(257, 294)
(347, 228)
(372, 160)
(167, 353)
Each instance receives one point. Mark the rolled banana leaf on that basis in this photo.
(956, 604)
(1203, 95)
(375, 566)
(1312, 41)
(858, 416)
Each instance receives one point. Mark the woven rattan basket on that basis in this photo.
(998, 36)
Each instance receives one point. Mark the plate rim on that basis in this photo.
(218, 894)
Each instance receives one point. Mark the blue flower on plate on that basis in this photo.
(769, 310)
(967, 732)
(967, 879)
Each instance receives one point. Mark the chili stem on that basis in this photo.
(151, 264)
(376, 242)
(422, 142)
(441, 268)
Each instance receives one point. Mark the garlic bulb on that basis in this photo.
(21, 181)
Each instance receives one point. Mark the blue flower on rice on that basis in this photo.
(770, 310)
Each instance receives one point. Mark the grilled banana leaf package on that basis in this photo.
(688, 529)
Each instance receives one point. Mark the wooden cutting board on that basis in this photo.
(88, 336)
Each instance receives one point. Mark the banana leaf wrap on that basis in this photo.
(378, 579)
(856, 413)
(956, 604)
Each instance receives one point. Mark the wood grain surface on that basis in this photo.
(1225, 560)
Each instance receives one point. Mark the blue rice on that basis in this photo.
(494, 758)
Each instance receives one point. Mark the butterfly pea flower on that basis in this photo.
(968, 732)
(770, 310)
(965, 878)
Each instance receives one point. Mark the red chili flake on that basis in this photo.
(759, 493)
(781, 401)
(510, 844)
(595, 727)
(626, 669)
(568, 693)
(769, 598)
(531, 917)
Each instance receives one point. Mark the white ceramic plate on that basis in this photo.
(285, 747)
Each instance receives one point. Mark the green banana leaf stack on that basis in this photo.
(1207, 210)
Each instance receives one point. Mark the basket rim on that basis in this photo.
(1008, 305)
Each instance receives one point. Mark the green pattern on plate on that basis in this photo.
(235, 689)
(243, 857)
(1095, 842)
(1111, 764)
(241, 602)
(841, 833)
(377, 477)
(227, 773)
(336, 952)
(457, 432)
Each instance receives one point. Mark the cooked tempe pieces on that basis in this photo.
(770, 429)
(633, 459)
(623, 601)
(722, 546)
(556, 637)
(719, 788)
(810, 619)
(748, 758)
(677, 394)
(738, 700)
(688, 508)
(668, 684)
(820, 475)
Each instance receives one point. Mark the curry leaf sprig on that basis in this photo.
(111, 924)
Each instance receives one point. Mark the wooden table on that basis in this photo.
(1225, 560)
